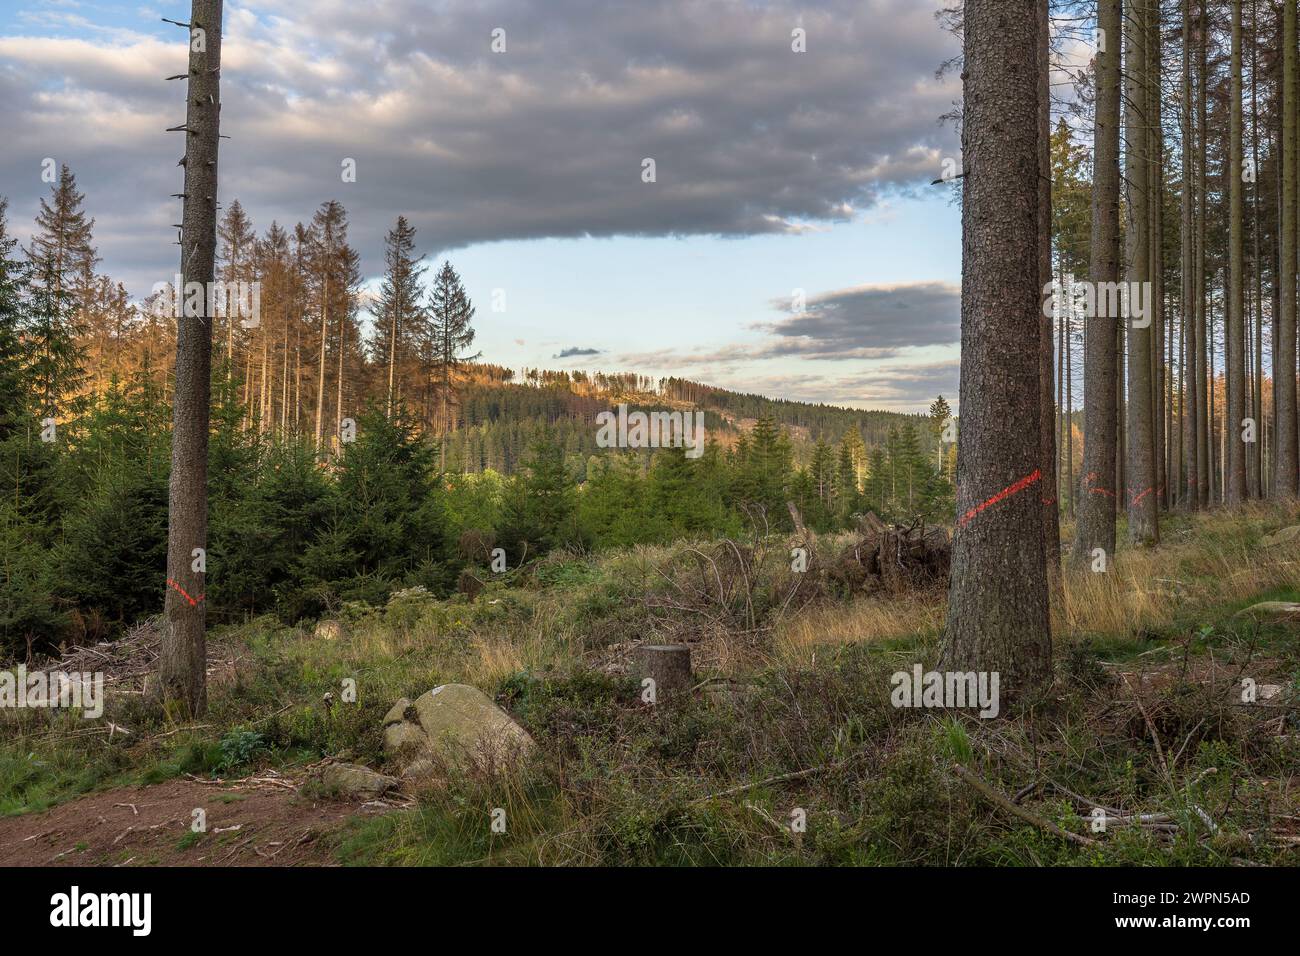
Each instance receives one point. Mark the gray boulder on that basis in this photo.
(452, 725)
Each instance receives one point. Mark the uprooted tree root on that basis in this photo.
(894, 559)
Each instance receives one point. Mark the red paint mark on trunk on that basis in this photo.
(1006, 492)
(193, 601)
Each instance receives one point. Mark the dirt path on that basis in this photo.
(248, 824)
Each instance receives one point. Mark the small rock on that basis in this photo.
(1289, 535)
(330, 631)
(397, 712)
(1278, 611)
(354, 780)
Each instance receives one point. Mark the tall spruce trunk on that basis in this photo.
(1257, 396)
(1203, 454)
(1284, 335)
(1189, 492)
(1235, 329)
(1095, 527)
(182, 659)
(1140, 492)
(1155, 252)
(998, 616)
(1047, 409)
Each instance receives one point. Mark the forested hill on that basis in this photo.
(501, 412)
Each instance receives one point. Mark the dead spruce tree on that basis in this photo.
(183, 658)
(998, 597)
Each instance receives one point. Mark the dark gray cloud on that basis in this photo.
(868, 321)
(863, 322)
(575, 351)
(546, 139)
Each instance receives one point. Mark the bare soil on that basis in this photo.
(263, 822)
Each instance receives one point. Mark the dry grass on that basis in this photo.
(1205, 560)
(866, 619)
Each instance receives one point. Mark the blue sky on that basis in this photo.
(776, 170)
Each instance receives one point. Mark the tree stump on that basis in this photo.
(668, 665)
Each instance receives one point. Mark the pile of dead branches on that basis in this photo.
(894, 559)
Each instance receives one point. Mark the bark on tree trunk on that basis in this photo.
(998, 598)
(182, 658)
(1284, 337)
(1141, 494)
(1096, 523)
(1189, 491)
(1236, 318)
(1047, 409)
(1203, 463)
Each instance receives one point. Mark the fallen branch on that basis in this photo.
(996, 798)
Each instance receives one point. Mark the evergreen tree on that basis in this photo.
(877, 489)
(52, 359)
(384, 525)
(846, 481)
(13, 382)
(61, 250)
(540, 503)
(399, 310)
(450, 336)
(940, 412)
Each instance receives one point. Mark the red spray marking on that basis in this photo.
(193, 601)
(1139, 498)
(1092, 476)
(1006, 492)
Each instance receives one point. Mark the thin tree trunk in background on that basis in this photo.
(264, 393)
(1142, 529)
(998, 612)
(1047, 410)
(1284, 333)
(284, 385)
(324, 337)
(1189, 492)
(338, 407)
(1234, 329)
(1216, 458)
(182, 660)
(1060, 385)
(1095, 528)
(1257, 403)
(1203, 462)
(392, 358)
(297, 381)
(1069, 417)
(1155, 218)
